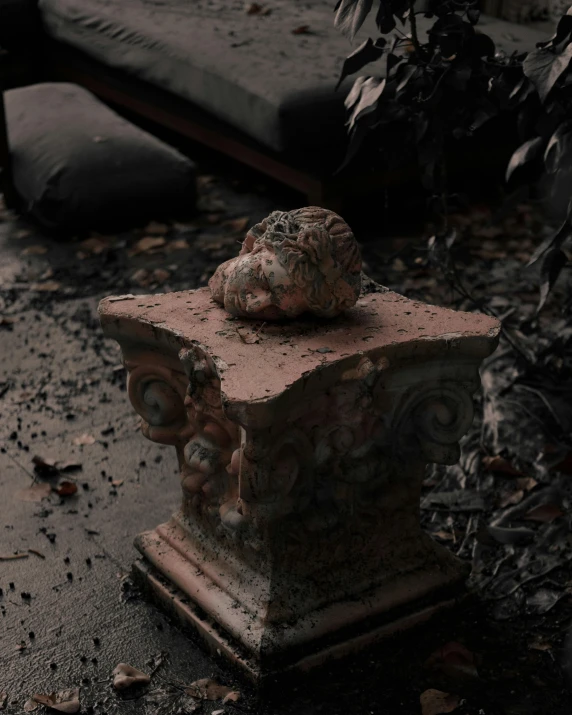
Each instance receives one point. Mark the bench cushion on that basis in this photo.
(249, 70)
(78, 165)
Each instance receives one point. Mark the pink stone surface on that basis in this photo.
(302, 448)
(262, 360)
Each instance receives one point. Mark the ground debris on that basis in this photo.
(208, 689)
(66, 701)
(84, 439)
(126, 676)
(35, 492)
(436, 702)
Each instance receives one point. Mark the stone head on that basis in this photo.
(292, 262)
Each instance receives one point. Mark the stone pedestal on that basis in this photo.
(302, 449)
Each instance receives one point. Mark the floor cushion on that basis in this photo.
(270, 75)
(77, 164)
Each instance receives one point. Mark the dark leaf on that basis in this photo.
(563, 31)
(370, 92)
(504, 535)
(554, 240)
(544, 513)
(552, 265)
(406, 72)
(482, 46)
(544, 68)
(525, 153)
(384, 19)
(350, 16)
(367, 52)
(558, 147)
(473, 14)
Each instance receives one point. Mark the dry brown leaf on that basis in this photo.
(454, 660)
(142, 277)
(500, 464)
(67, 701)
(84, 439)
(232, 697)
(526, 483)
(154, 228)
(180, 244)
(511, 498)
(436, 702)
(117, 482)
(302, 30)
(443, 535)
(30, 705)
(237, 225)
(66, 488)
(35, 492)
(207, 689)
(6, 322)
(148, 243)
(545, 513)
(12, 557)
(160, 275)
(126, 676)
(47, 286)
(34, 251)
(94, 245)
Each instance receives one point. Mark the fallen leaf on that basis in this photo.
(302, 30)
(156, 229)
(217, 712)
(253, 8)
(35, 492)
(545, 513)
(237, 225)
(13, 557)
(142, 277)
(500, 464)
(126, 676)
(526, 483)
(148, 243)
(436, 702)
(34, 251)
(69, 466)
(117, 482)
(6, 322)
(67, 701)
(44, 465)
(232, 697)
(511, 498)
(503, 535)
(160, 275)
(179, 244)
(84, 439)
(443, 535)
(207, 689)
(454, 660)
(540, 645)
(66, 488)
(48, 286)
(94, 245)
(30, 705)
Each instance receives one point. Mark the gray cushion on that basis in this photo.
(78, 165)
(249, 70)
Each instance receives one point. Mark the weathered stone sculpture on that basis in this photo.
(291, 263)
(302, 446)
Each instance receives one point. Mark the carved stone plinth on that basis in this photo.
(302, 449)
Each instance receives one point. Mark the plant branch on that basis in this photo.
(414, 33)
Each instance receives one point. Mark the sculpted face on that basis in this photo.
(291, 263)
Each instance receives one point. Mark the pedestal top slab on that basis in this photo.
(261, 360)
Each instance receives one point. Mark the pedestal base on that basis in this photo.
(327, 633)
